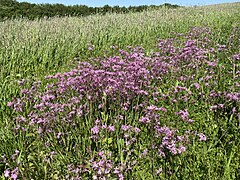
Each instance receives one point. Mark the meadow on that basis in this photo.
(149, 95)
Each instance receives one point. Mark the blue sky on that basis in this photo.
(97, 3)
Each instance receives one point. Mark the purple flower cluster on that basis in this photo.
(129, 99)
(190, 53)
(184, 115)
(151, 115)
(236, 57)
(169, 141)
(11, 174)
(98, 129)
(101, 167)
(117, 79)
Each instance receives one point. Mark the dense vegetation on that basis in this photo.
(13, 9)
(145, 95)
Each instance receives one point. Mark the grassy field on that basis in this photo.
(150, 95)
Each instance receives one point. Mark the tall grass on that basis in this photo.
(31, 50)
